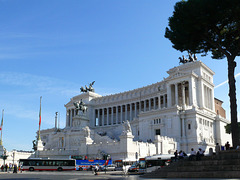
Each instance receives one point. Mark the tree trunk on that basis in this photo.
(233, 100)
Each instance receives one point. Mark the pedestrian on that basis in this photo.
(15, 168)
(181, 154)
(6, 167)
(200, 154)
(10, 166)
(96, 169)
(2, 168)
(176, 155)
(192, 154)
(217, 149)
(227, 146)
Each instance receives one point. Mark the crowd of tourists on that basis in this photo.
(9, 168)
(196, 155)
(193, 155)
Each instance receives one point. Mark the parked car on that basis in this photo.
(133, 168)
(111, 167)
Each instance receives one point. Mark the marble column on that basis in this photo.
(112, 115)
(98, 117)
(149, 104)
(183, 127)
(183, 95)
(71, 117)
(154, 103)
(130, 119)
(103, 117)
(159, 102)
(135, 109)
(164, 101)
(145, 104)
(126, 112)
(117, 115)
(121, 113)
(107, 116)
(176, 94)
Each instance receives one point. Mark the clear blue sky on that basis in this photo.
(52, 48)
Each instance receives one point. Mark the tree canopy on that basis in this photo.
(202, 26)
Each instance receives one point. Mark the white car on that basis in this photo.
(110, 167)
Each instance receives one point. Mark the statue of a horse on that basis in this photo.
(80, 106)
(82, 89)
(83, 108)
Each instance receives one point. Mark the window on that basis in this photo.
(157, 121)
(157, 132)
(189, 126)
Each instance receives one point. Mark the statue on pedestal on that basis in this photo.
(89, 88)
(87, 131)
(126, 127)
(80, 106)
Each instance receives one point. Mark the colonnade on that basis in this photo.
(180, 94)
(118, 114)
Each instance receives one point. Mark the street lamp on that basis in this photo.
(13, 156)
(4, 156)
(136, 155)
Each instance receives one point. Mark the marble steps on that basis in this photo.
(224, 165)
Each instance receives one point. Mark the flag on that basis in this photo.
(2, 121)
(40, 118)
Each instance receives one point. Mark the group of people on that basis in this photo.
(196, 155)
(179, 155)
(221, 148)
(8, 168)
(193, 155)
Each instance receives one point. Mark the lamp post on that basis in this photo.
(13, 156)
(4, 156)
(136, 155)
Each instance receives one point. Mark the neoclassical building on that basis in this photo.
(179, 112)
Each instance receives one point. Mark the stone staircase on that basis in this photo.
(224, 165)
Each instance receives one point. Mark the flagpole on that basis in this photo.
(39, 137)
(1, 128)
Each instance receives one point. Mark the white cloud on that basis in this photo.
(225, 82)
(39, 83)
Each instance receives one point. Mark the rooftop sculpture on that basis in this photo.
(184, 60)
(89, 88)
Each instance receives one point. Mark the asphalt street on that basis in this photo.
(76, 175)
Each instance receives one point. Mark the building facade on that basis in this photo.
(179, 112)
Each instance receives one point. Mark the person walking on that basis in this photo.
(10, 166)
(6, 167)
(15, 168)
(96, 169)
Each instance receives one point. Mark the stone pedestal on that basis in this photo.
(80, 121)
(39, 145)
(126, 144)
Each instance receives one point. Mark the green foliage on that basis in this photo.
(202, 26)
(228, 128)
